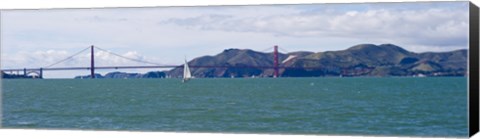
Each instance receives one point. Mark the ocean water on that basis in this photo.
(322, 106)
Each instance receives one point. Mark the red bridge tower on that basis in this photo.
(275, 61)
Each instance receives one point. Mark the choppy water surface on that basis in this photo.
(352, 106)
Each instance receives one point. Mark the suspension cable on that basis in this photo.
(136, 60)
(283, 50)
(267, 50)
(67, 58)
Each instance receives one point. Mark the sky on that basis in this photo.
(166, 35)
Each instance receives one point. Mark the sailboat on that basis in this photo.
(186, 72)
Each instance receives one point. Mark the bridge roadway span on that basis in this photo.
(153, 67)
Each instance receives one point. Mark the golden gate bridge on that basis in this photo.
(39, 71)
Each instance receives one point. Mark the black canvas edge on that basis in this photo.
(473, 79)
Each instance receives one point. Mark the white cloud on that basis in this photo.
(46, 58)
(32, 59)
(435, 27)
(34, 38)
(440, 27)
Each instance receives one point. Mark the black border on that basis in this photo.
(473, 70)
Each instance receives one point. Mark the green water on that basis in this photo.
(333, 106)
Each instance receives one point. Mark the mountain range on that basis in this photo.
(123, 75)
(359, 60)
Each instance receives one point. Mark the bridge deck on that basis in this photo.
(153, 67)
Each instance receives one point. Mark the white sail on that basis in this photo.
(186, 72)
